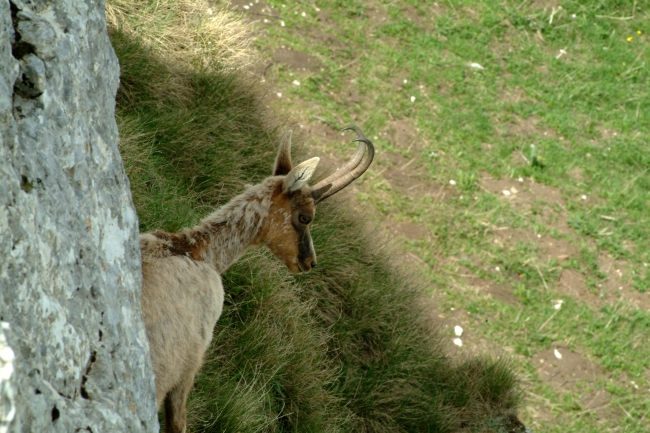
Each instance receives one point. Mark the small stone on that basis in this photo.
(458, 342)
(557, 353)
(458, 330)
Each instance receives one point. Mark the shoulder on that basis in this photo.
(153, 247)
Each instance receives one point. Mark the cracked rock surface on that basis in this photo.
(73, 350)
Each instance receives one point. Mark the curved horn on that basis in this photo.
(350, 171)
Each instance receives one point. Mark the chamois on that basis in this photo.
(182, 294)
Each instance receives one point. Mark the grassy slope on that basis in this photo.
(348, 348)
(573, 81)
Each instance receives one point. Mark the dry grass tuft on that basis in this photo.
(185, 31)
(189, 35)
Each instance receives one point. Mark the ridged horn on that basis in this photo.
(350, 171)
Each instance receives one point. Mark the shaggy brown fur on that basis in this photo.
(182, 294)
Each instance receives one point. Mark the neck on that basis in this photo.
(231, 229)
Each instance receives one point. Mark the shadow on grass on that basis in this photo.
(350, 347)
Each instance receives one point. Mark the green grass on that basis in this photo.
(351, 347)
(576, 88)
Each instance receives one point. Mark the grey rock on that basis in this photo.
(32, 81)
(73, 350)
(7, 385)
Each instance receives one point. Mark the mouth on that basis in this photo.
(302, 269)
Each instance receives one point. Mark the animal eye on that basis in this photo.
(304, 219)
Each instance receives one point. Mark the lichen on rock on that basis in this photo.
(70, 271)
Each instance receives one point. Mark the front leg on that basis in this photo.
(175, 406)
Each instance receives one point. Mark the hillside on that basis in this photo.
(510, 170)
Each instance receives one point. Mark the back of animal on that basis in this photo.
(182, 300)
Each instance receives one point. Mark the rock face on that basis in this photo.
(73, 350)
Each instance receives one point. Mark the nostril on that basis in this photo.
(313, 264)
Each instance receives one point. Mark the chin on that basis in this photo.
(294, 268)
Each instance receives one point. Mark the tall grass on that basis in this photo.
(349, 347)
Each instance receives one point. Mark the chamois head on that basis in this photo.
(293, 204)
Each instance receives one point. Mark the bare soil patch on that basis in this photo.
(530, 127)
(529, 196)
(572, 283)
(321, 131)
(377, 14)
(614, 289)
(541, 415)
(550, 247)
(606, 134)
(599, 403)
(499, 292)
(409, 230)
(406, 174)
(408, 177)
(618, 283)
(296, 60)
(577, 173)
(420, 19)
(402, 134)
(524, 192)
(572, 372)
(617, 272)
(565, 372)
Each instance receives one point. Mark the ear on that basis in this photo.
(300, 175)
(283, 160)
